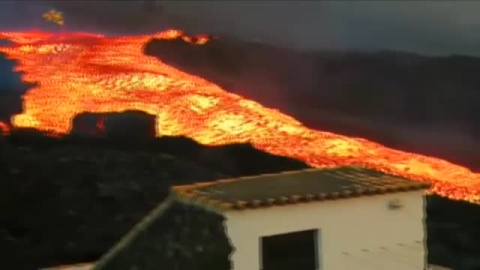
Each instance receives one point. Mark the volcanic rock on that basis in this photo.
(128, 125)
(68, 200)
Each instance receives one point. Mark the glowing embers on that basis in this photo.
(4, 129)
(175, 34)
(80, 72)
(101, 125)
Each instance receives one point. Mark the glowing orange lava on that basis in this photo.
(80, 72)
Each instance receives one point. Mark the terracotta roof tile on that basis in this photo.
(295, 187)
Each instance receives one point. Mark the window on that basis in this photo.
(290, 251)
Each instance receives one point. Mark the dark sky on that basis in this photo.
(428, 27)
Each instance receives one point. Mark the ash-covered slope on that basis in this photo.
(69, 200)
(410, 102)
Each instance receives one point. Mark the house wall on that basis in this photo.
(357, 234)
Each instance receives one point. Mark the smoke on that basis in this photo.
(8, 79)
(11, 89)
(426, 27)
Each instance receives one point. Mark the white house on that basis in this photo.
(350, 218)
(317, 219)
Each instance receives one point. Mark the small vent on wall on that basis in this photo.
(394, 204)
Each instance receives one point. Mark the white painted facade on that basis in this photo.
(353, 234)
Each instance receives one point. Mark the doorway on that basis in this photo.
(290, 251)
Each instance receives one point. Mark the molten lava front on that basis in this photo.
(81, 72)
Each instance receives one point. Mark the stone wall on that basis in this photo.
(175, 236)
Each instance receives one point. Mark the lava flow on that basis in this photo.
(80, 72)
